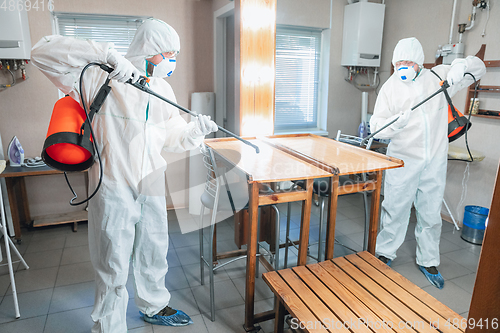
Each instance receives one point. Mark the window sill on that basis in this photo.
(314, 131)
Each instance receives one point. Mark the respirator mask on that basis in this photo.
(165, 68)
(406, 73)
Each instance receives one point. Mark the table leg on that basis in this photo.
(374, 213)
(14, 208)
(24, 197)
(279, 320)
(332, 217)
(304, 224)
(253, 207)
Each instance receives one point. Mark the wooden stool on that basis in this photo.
(356, 292)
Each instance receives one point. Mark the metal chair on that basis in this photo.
(216, 199)
(322, 190)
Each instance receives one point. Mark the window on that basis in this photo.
(297, 100)
(117, 29)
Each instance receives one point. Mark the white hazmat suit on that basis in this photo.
(127, 217)
(420, 139)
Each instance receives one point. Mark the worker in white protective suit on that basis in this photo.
(420, 139)
(128, 217)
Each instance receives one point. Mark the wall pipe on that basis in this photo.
(453, 14)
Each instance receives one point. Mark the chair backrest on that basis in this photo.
(212, 179)
(352, 139)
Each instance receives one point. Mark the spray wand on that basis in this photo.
(444, 85)
(141, 85)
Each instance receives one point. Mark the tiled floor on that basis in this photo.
(57, 292)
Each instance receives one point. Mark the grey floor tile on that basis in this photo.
(75, 255)
(45, 244)
(351, 211)
(74, 321)
(262, 290)
(143, 329)
(452, 296)
(198, 326)
(451, 269)
(172, 258)
(72, 297)
(188, 255)
(466, 259)
(31, 304)
(43, 259)
(4, 284)
(184, 300)
(35, 279)
(224, 232)
(75, 273)
(403, 258)
(193, 274)
(226, 321)
(134, 319)
(445, 246)
(52, 231)
(412, 273)
(4, 270)
(30, 325)
(130, 286)
(447, 227)
(465, 282)
(226, 296)
(79, 238)
(180, 240)
(176, 279)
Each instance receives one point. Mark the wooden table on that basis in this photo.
(18, 199)
(269, 166)
(344, 159)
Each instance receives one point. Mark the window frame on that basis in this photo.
(322, 90)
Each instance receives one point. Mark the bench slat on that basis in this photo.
(402, 310)
(290, 300)
(362, 295)
(321, 312)
(426, 298)
(427, 314)
(343, 312)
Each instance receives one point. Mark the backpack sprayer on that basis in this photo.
(70, 144)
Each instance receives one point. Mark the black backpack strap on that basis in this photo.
(440, 79)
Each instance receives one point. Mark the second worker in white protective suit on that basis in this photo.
(420, 139)
(128, 217)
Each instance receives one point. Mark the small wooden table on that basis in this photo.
(357, 293)
(269, 166)
(344, 159)
(18, 199)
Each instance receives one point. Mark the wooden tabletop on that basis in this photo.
(345, 158)
(26, 171)
(270, 165)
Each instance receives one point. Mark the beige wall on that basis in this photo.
(25, 109)
(315, 14)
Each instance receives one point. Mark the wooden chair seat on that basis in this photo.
(358, 293)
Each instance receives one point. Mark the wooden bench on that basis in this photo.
(358, 293)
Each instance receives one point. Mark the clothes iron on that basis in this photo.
(15, 152)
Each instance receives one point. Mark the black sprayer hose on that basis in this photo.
(93, 142)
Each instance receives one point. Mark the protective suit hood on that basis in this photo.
(408, 49)
(151, 38)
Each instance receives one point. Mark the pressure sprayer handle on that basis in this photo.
(444, 85)
(141, 85)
